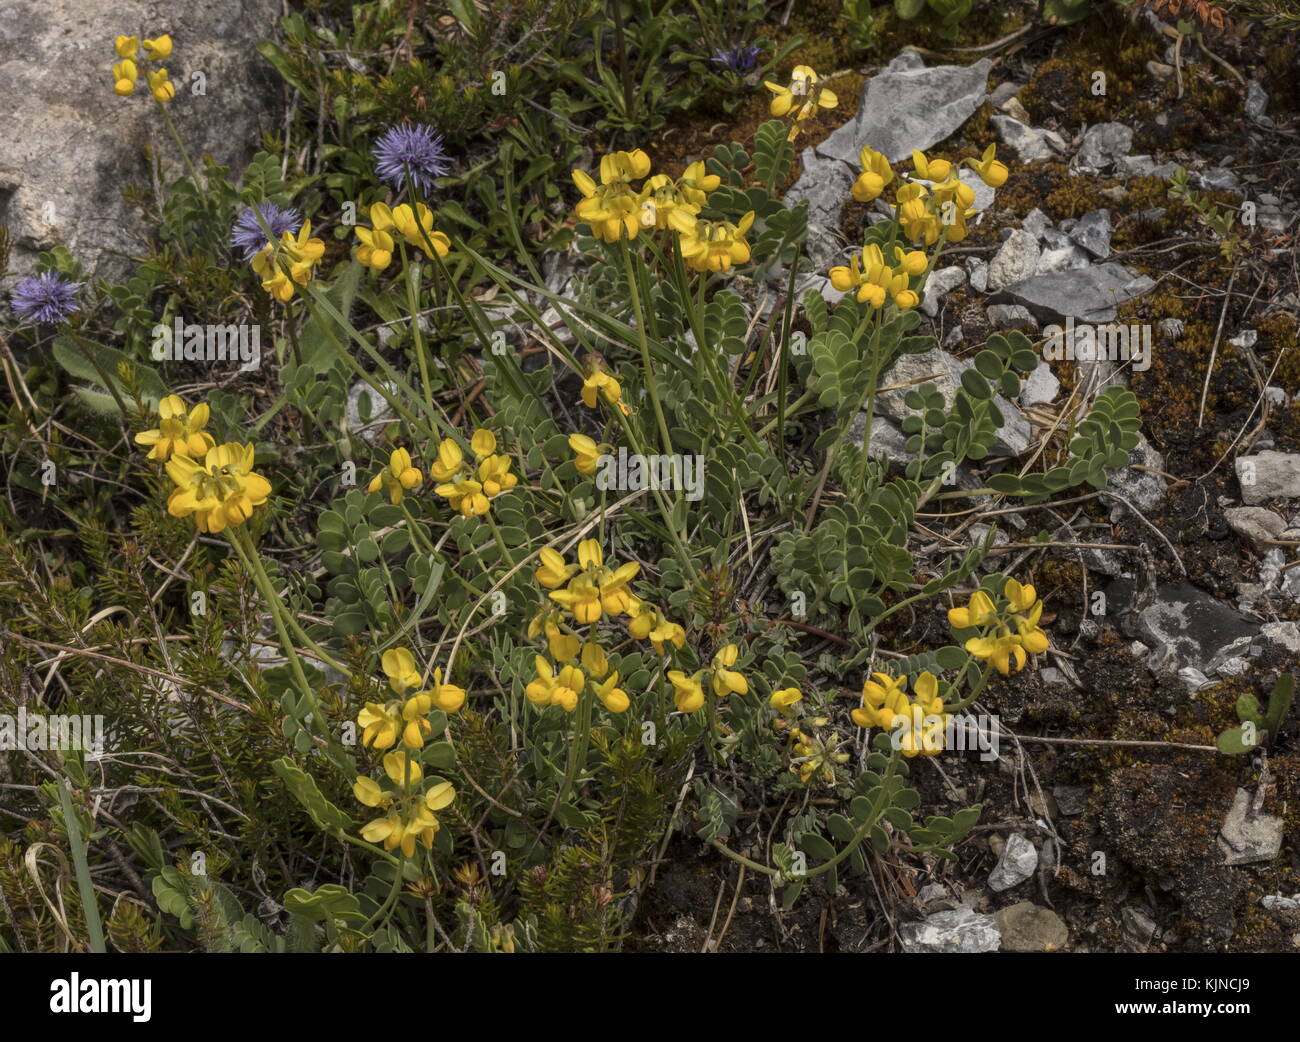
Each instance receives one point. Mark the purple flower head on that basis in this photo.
(247, 234)
(48, 298)
(739, 60)
(410, 156)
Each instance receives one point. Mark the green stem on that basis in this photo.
(85, 889)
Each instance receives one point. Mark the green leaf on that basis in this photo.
(304, 789)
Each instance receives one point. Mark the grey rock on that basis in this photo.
(888, 442)
(1280, 903)
(1036, 223)
(1028, 142)
(1269, 475)
(979, 274)
(1089, 294)
(1011, 316)
(1017, 863)
(1060, 254)
(941, 282)
(1172, 328)
(955, 337)
(1040, 386)
(1183, 625)
(907, 106)
(1257, 104)
(1103, 144)
(1143, 488)
(1093, 233)
(1139, 928)
(1255, 523)
(377, 411)
(1144, 166)
(1005, 90)
(944, 371)
(959, 930)
(1015, 261)
(1027, 927)
(825, 183)
(1249, 836)
(1283, 634)
(1071, 800)
(1215, 179)
(70, 145)
(1160, 70)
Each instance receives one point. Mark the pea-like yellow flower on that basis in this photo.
(125, 75)
(883, 698)
(613, 209)
(613, 697)
(554, 572)
(712, 245)
(784, 699)
(447, 697)
(696, 183)
(600, 381)
(649, 624)
(594, 660)
(381, 725)
(469, 491)
(416, 227)
(872, 280)
(398, 665)
(911, 262)
(411, 814)
(158, 49)
(1005, 649)
(178, 431)
(551, 688)
(220, 491)
(126, 46)
(992, 173)
(930, 169)
(876, 175)
(290, 261)
(162, 89)
(688, 692)
(803, 92)
(978, 611)
(397, 477)
(377, 245)
(586, 453)
(596, 590)
(724, 679)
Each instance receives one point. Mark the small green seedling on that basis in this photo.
(1258, 726)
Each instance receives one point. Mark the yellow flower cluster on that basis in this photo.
(1010, 632)
(405, 718)
(470, 489)
(215, 484)
(922, 718)
(397, 477)
(290, 261)
(132, 54)
(872, 280)
(600, 382)
(414, 226)
(802, 96)
(614, 209)
(410, 809)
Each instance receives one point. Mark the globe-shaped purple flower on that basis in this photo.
(47, 298)
(247, 233)
(410, 156)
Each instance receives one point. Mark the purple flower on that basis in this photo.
(739, 60)
(247, 234)
(410, 156)
(47, 298)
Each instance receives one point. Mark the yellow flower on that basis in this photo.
(784, 699)
(873, 280)
(979, 611)
(597, 590)
(586, 453)
(725, 680)
(415, 725)
(399, 667)
(377, 246)
(124, 77)
(695, 183)
(876, 175)
(381, 725)
(712, 245)
(648, 623)
(883, 699)
(449, 463)
(687, 691)
(158, 49)
(555, 689)
(612, 696)
(410, 816)
(467, 491)
(178, 431)
(613, 209)
(126, 46)
(416, 227)
(930, 169)
(397, 477)
(494, 474)
(447, 697)
(160, 86)
(554, 572)
(661, 198)
(992, 173)
(1003, 650)
(220, 491)
(803, 88)
(911, 262)
(562, 646)
(594, 660)
(289, 261)
(599, 381)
